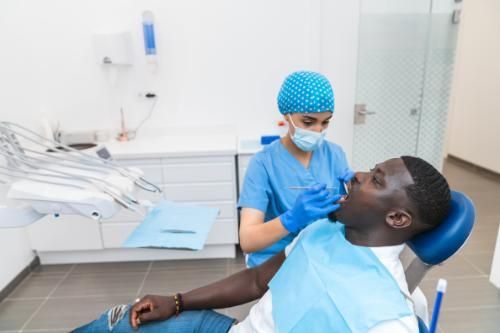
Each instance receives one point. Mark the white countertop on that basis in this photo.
(157, 143)
(173, 146)
(249, 146)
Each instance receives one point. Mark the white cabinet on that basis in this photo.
(203, 180)
(243, 161)
(246, 149)
(208, 181)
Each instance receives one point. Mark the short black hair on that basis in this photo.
(430, 192)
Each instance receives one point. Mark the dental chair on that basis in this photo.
(434, 247)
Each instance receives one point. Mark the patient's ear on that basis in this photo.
(398, 219)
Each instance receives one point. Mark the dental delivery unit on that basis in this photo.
(44, 177)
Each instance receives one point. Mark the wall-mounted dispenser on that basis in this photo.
(113, 49)
(149, 36)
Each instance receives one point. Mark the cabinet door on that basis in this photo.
(200, 192)
(152, 168)
(243, 161)
(198, 173)
(66, 233)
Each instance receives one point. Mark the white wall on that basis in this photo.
(15, 251)
(475, 101)
(339, 61)
(221, 62)
(15, 254)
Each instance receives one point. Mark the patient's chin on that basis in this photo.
(333, 217)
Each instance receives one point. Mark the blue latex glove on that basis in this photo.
(347, 176)
(313, 204)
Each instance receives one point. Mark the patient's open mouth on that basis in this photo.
(344, 199)
(348, 188)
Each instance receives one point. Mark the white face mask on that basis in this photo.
(307, 140)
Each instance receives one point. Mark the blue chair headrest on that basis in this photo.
(437, 245)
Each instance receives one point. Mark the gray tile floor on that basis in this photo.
(60, 297)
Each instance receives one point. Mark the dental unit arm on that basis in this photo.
(43, 177)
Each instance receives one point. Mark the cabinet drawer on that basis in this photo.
(227, 210)
(200, 192)
(198, 173)
(152, 168)
(243, 162)
(223, 232)
(152, 173)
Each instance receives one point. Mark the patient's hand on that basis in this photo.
(151, 308)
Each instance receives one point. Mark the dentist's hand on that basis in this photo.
(347, 176)
(313, 204)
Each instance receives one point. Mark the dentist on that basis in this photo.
(272, 212)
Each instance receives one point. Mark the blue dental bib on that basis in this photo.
(326, 284)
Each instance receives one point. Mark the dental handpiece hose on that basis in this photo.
(441, 290)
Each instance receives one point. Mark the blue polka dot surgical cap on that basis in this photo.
(306, 92)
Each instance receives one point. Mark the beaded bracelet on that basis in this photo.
(179, 305)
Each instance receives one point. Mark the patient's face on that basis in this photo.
(372, 194)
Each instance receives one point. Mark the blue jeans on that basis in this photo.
(116, 320)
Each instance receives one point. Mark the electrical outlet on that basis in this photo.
(147, 94)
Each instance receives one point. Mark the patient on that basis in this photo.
(342, 276)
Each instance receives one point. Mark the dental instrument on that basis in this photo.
(178, 231)
(346, 189)
(309, 188)
(45, 177)
(441, 290)
(76, 155)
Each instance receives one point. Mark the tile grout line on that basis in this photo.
(224, 311)
(455, 278)
(68, 297)
(94, 273)
(474, 266)
(143, 282)
(46, 299)
(44, 330)
(475, 307)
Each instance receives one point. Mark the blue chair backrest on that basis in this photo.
(434, 247)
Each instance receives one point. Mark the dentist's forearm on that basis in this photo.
(256, 237)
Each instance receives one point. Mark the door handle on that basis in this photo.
(360, 112)
(366, 112)
(455, 17)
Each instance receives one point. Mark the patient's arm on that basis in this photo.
(240, 288)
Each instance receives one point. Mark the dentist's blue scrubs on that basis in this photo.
(270, 174)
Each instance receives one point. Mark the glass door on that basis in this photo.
(405, 57)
